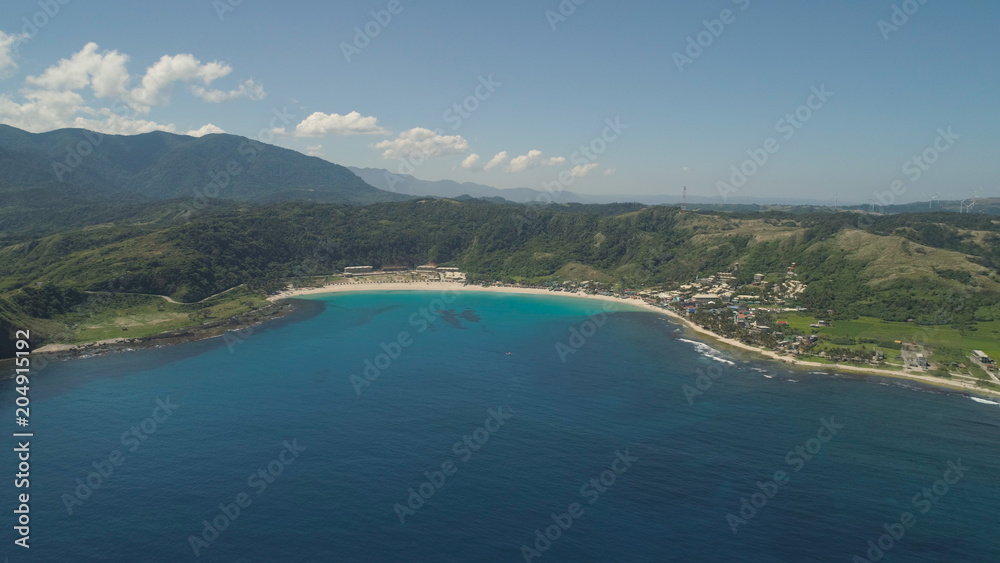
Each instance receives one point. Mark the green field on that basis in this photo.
(132, 316)
(986, 337)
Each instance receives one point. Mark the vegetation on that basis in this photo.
(105, 241)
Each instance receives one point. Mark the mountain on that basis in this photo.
(86, 166)
(978, 205)
(409, 185)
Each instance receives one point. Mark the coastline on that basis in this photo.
(702, 333)
(272, 311)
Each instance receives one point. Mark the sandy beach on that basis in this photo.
(952, 384)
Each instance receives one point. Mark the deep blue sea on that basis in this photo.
(503, 428)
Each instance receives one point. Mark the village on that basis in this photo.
(763, 311)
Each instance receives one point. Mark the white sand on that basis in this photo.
(957, 385)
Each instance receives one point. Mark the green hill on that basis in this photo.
(930, 268)
(72, 177)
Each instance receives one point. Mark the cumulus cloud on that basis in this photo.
(54, 99)
(105, 73)
(472, 163)
(319, 124)
(314, 150)
(498, 159)
(206, 129)
(610, 171)
(421, 142)
(42, 110)
(533, 160)
(114, 124)
(582, 170)
(156, 85)
(7, 63)
(248, 89)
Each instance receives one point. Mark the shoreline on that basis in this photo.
(786, 361)
(214, 329)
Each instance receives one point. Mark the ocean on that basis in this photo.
(473, 426)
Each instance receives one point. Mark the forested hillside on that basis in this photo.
(54, 179)
(932, 268)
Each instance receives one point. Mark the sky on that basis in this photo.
(850, 101)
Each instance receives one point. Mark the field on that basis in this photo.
(129, 316)
(946, 339)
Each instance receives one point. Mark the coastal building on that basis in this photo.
(358, 269)
(982, 357)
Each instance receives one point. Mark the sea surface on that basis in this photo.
(498, 428)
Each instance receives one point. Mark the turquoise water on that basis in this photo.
(343, 471)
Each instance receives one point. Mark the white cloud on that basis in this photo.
(420, 142)
(319, 124)
(610, 171)
(54, 98)
(44, 110)
(7, 63)
(687, 168)
(314, 150)
(472, 163)
(532, 160)
(582, 170)
(155, 86)
(104, 72)
(498, 159)
(248, 89)
(206, 129)
(115, 124)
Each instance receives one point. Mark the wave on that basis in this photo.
(984, 401)
(708, 351)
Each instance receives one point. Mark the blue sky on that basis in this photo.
(551, 90)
